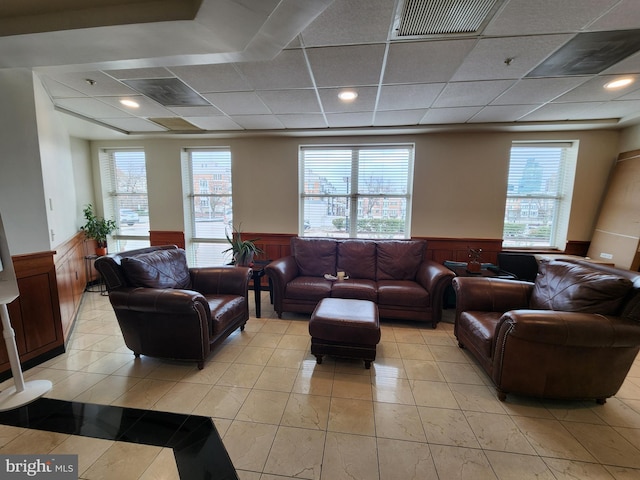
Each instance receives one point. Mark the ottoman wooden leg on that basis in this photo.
(319, 359)
(367, 364)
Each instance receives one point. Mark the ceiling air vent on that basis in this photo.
(428, 18)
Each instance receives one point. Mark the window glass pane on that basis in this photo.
(535, 193)
(377, 179)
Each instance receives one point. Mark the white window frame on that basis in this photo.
(215, 243)
(113, 199)
(345, 199)
(556, 191)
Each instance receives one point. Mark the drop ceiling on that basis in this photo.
(277, 66)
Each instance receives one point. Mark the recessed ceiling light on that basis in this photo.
(620, 83)
(348, 95)
(129, 103)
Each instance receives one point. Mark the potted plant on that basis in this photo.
(243, 250)
(98, 229)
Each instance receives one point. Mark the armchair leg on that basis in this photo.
(601, 401)
(201, 365)
(502, 396)
(136, 354)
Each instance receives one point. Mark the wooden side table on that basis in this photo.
(258, 273)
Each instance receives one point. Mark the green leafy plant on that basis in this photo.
(97, 228)
(243, 250)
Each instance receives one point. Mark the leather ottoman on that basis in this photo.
(345, 328)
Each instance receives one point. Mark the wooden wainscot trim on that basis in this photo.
(166, 237)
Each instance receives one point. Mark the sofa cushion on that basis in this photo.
(308, 288)
(314, 256)
(357, 258)
(356, 288)
(571, 287)
(158, 269)
(399, 259)
(402, 293)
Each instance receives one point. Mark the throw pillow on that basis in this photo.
(399, 259)
(570, 287)
(314, 256)
(158, 269)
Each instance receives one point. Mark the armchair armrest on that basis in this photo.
(229, 280)
(575, 329)
(165, 300)
(490, 294)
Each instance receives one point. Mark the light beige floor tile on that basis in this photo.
(458, 463)
(388, 367)
(222, 425)
(183, 397)
(107, 390)
(295, 342)
(139, 367)
(226, 353)
(351, 366)
(313, 382)
(247, 475)
(352, 386)
(618, 413)
(476, 398)
(286, 358)
(144, 394)
(109, 363)
(387, 349)
(277, 326)
(400, 422)
(255, 355)
(498, 432)
(238, 375)
(35, 441)
(347, 415)
(222, 401)
(9, 433)
(124, 461)
(392, 390)
(423, 370)
(415, 351)
(172, 370)
(518, 467)
(248, 444)
(402, 460)
(264, 339)
(350, 457)
(551, 439)
(407, 335)
(76, 360)
(163, 467)
(37, 373)
(447, 427)
(306, 411)
(263, 406)
(296, 452)
(433, 394)
(277, 378)
(622, 473)
(87, 449)
(209, 375)
(74, 385)
(605, 444)
(298, 328)
(571, 470)
(460, 373)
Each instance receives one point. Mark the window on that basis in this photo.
(208, 205)
(539, 194)
(356, 191)
(124, 183)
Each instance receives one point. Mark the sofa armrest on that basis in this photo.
(574, 329)
(484, 294)
(281, 272)
(165, 300)
(228, 280)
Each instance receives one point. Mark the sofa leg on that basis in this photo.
(136, 354)
(502, 396)
(201, 365)
(242, 327)
(601, 401)
(319, 359)
(367, 364)
(460, 345)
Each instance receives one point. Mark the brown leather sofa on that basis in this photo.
(168, 310)
(392, 273)
(573, 334)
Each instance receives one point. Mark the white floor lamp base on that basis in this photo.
(33, 389)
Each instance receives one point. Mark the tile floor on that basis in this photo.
(423, 411)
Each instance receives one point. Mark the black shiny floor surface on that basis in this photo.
(197, 447)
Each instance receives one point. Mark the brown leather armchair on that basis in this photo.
(168, 310)
(573, 334)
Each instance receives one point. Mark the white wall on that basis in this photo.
(630, 139)
(459, 188)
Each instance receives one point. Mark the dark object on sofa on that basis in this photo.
(391, 273)
(168, 310)
(524, 266)
(573, 334)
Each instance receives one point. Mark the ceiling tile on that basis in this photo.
(346, 66)
(365, 101)
(103, 85)
(537, 90)
(621, 109)
(349, 119)
(90, 107)
(350, 22)
(287, 70)
(258, 122)
(592, 91)
(564, 111)
(466, 94)
(625, 15)
(132, 124)
(238, 103)
(425, 62)
(312, 120)
(147, 108)
(398, 97)
(58, 90)
(131, 73)
(487, 60)
(214, 123)
(195, 111)
(501, 113)
(211, 78)
(437, 116)
(630, 64)
(399, 117)
(290, 101)
(525, 17)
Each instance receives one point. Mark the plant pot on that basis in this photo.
(243, 260)
(101, 251)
